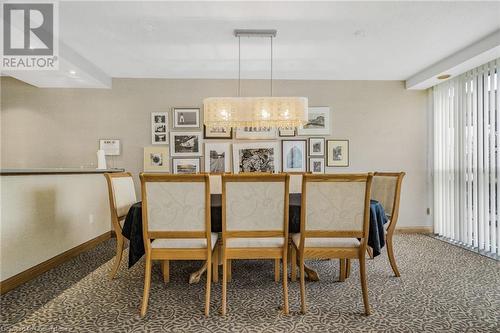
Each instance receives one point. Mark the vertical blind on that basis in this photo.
(467, 159)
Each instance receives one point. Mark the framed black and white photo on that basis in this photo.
(286, 132)
(316, 146)
(318, 121)
(337, 153)
(186, 117)
(255, 157)
(256, 133)
(156, 159)
(185, 165)
(185, 143)
(217, 132)
(317, 165)
(217, 157)
(293, 154)
(159, 128)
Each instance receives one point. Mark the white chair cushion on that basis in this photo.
(255, 242)
(124, 194)
(184, 243)
(326, 242)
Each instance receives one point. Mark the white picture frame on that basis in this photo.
(185, 166)
(287, 132)
(317, 165)
(217, 157)
(111, 147)
(316, 146)
(156, 159)
(256, 133)
(269, 163)
(318, 121)
(186, 117)
(181, 144)
(159, 128)
(294, 155)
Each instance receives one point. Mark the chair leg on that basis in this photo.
(364, 286)
(276, 270)
(302, 286)
(347, 268)
(390, 252)
(165, 267)
(229, 270)
(369, 250)
(285, 285)
(224, 283)
(342, 270)
(208, 287)
(215, 264)
(293, 264)
(147, 285)
(118, 257)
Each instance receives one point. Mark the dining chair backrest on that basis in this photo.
(336, 205)
(121, 192)
(255, 202)
(176, 204)
(216, 184)
(296, 183)
(386, 189)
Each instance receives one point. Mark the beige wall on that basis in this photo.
(385, 123)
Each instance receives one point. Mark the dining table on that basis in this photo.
(132, 227)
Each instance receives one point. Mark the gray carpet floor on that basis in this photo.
(443, 288)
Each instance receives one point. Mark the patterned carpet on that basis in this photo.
(442, 289)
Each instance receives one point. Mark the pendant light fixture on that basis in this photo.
(270, 111)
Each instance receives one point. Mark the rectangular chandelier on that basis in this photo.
(279, 112)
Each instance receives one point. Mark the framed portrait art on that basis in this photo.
(256, 157)
(316, 165)
(318, 121)
(337, 153)
(185, 143)
(156, 159)
(218, 157)
(316, 146)
(185, 165)
(293, 155)
(186, 117)
(159, 128)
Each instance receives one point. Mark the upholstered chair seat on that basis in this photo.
(326, 242)
(186, 243)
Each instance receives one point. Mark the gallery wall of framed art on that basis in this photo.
(192, 147)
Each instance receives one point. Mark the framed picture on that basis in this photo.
(217, 132)
(185, 143)
(255, 157)
(337, 153)
(287, 132)
(185, 165)
(156, 159)
(293, 153)
(217, 157)
(111, 147)
(186, 117)
(316, 146)
(318, 121)
(159, 128)
(256, 133)
(317, 165)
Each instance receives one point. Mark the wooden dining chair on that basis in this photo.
(386, 189)
(121, 192)
(254, 222)
(335, 213)
(176, 223)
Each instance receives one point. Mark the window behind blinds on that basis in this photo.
(467, 159)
